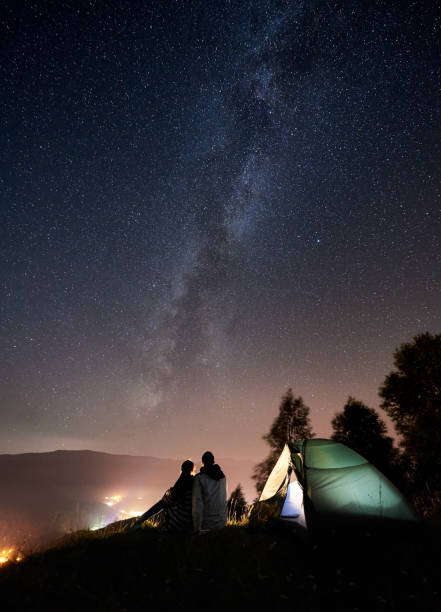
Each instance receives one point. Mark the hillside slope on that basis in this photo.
(237, 567)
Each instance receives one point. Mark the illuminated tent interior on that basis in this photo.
(322, 479)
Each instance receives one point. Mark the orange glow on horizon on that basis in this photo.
(6, 555)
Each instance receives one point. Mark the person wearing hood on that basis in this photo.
(209, 501)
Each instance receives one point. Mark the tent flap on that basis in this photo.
(278, 475)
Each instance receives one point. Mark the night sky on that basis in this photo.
(204, 203)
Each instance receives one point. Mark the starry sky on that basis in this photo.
(205, 202)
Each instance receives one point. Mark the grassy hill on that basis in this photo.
(367, 569)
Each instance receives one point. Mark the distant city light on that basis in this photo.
(112, 500)
(121, 513)
(129, 514)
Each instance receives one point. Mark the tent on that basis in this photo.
(318, 479)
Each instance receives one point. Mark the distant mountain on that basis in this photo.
(43, 495)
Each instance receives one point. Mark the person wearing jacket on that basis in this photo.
(209, 501)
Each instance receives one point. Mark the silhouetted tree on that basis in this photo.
(412, 398)
(237, 504)
(362, 429)
(292, 423)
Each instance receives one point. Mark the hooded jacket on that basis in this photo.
(209, 499)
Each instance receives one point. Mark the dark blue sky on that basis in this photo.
(204, 203)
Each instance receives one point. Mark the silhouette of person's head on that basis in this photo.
(207, 459)
(187, 467)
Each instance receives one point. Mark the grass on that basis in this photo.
(367, 568)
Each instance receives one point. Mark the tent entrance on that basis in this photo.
(293, 510)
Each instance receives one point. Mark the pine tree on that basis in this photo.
(362, 429)
(237, 504)
(411, 397)
(292, 423)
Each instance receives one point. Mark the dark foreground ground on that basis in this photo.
(240, 568)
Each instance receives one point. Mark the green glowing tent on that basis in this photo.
(321, 479)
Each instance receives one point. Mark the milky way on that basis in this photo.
(204, 203)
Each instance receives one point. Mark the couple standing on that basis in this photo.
(198, 502)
